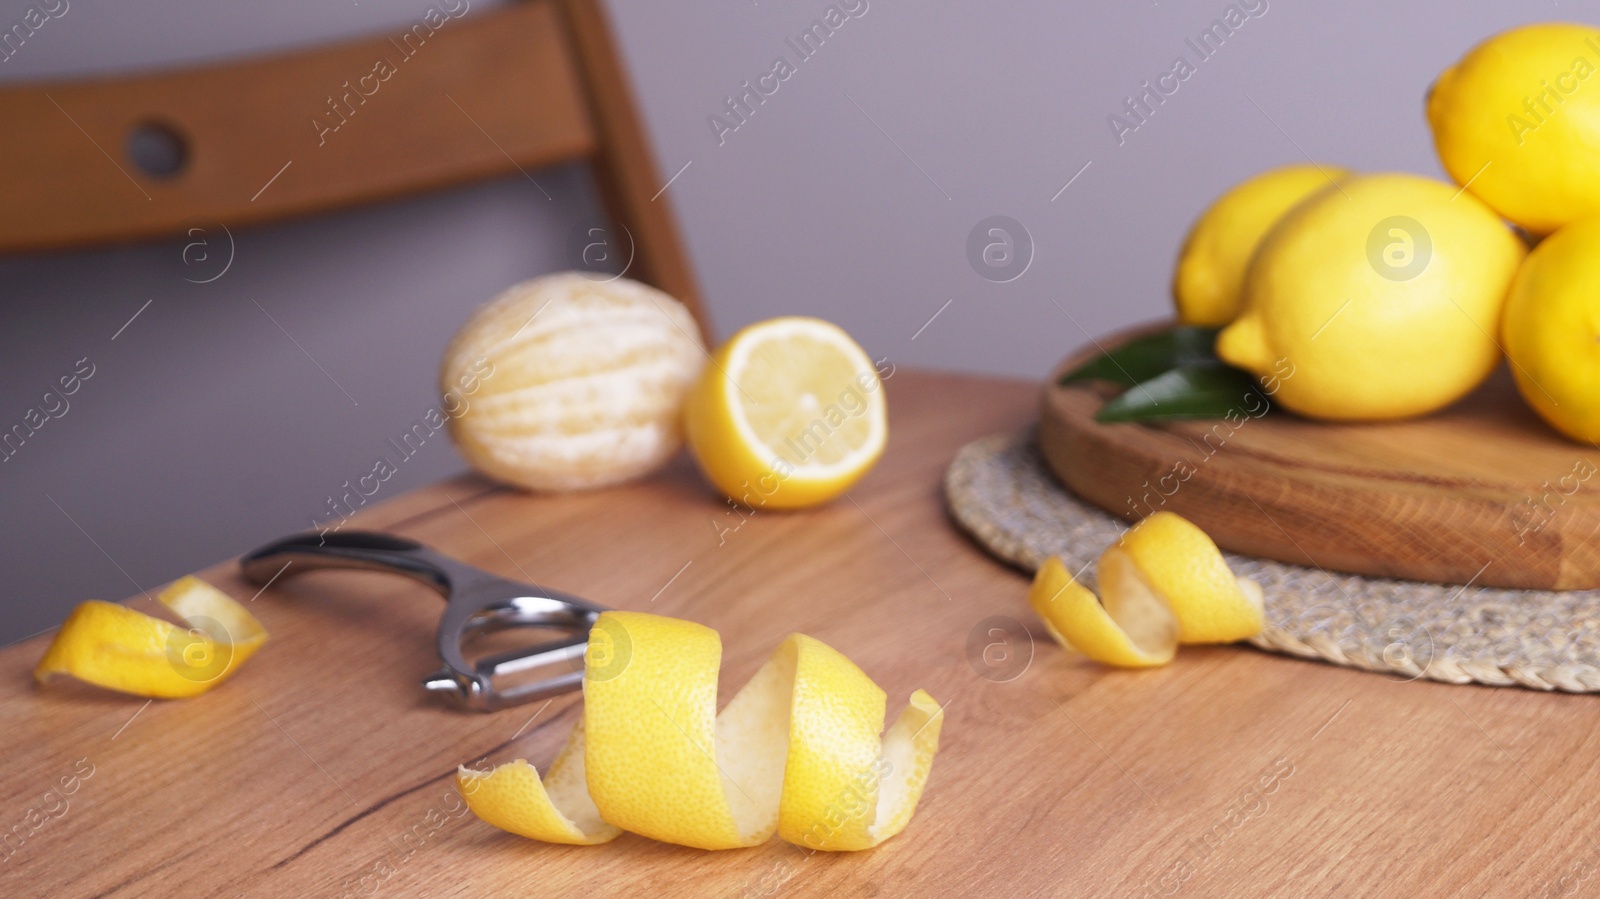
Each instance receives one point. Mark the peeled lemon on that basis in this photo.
(1208, 281)
(1380, 299)
(573, 382)
(1164, 583)
(790, 413)
(1517, 120)
(1552, 330)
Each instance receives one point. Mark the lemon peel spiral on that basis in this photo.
(123, 649)
(1164, 583)
(796, 752)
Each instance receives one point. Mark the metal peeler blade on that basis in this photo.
(476, 602)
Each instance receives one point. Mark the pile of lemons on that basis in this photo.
(1394, 295)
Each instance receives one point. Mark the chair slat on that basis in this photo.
(451, 100)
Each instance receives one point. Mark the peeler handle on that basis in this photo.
(365, 550)
(476, 602)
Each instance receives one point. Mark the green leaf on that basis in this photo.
(1190, 392)
(1145, 357)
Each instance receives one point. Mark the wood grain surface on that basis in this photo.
(1482, 492)
(1228, 773)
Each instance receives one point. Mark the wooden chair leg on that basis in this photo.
(629, 181)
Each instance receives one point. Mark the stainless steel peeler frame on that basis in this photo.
(476, 602)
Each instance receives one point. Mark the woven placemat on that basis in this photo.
(1001, 492)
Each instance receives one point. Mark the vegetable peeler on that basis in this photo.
(477, 602)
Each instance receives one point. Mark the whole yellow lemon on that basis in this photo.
(1207, 283)
(1377, 298)
(1518, 120)
(1552, 330)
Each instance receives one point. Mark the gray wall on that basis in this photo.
(226, 412)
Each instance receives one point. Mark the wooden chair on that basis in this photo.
(452, 99)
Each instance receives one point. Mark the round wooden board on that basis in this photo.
(1483, 492)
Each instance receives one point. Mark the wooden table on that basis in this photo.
(1230, 772)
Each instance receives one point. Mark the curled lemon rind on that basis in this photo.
(1074, 617)
(796, 752)
(556, 809)
(1163, 584)
(122, 649)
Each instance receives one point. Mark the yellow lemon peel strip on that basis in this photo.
(119, 648)
(1164, 583)
(556, 810)
(1075, 618)
(796, 752)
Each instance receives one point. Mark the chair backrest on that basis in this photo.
(452, 99)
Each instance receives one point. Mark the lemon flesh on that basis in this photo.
(1379, 298)
(1164, 583)
(123, 649)
(796, 752)
(1552, 330)
(789, 413)
(1517, 119)
(1208, 282)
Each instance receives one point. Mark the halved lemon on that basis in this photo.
(789, 414)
